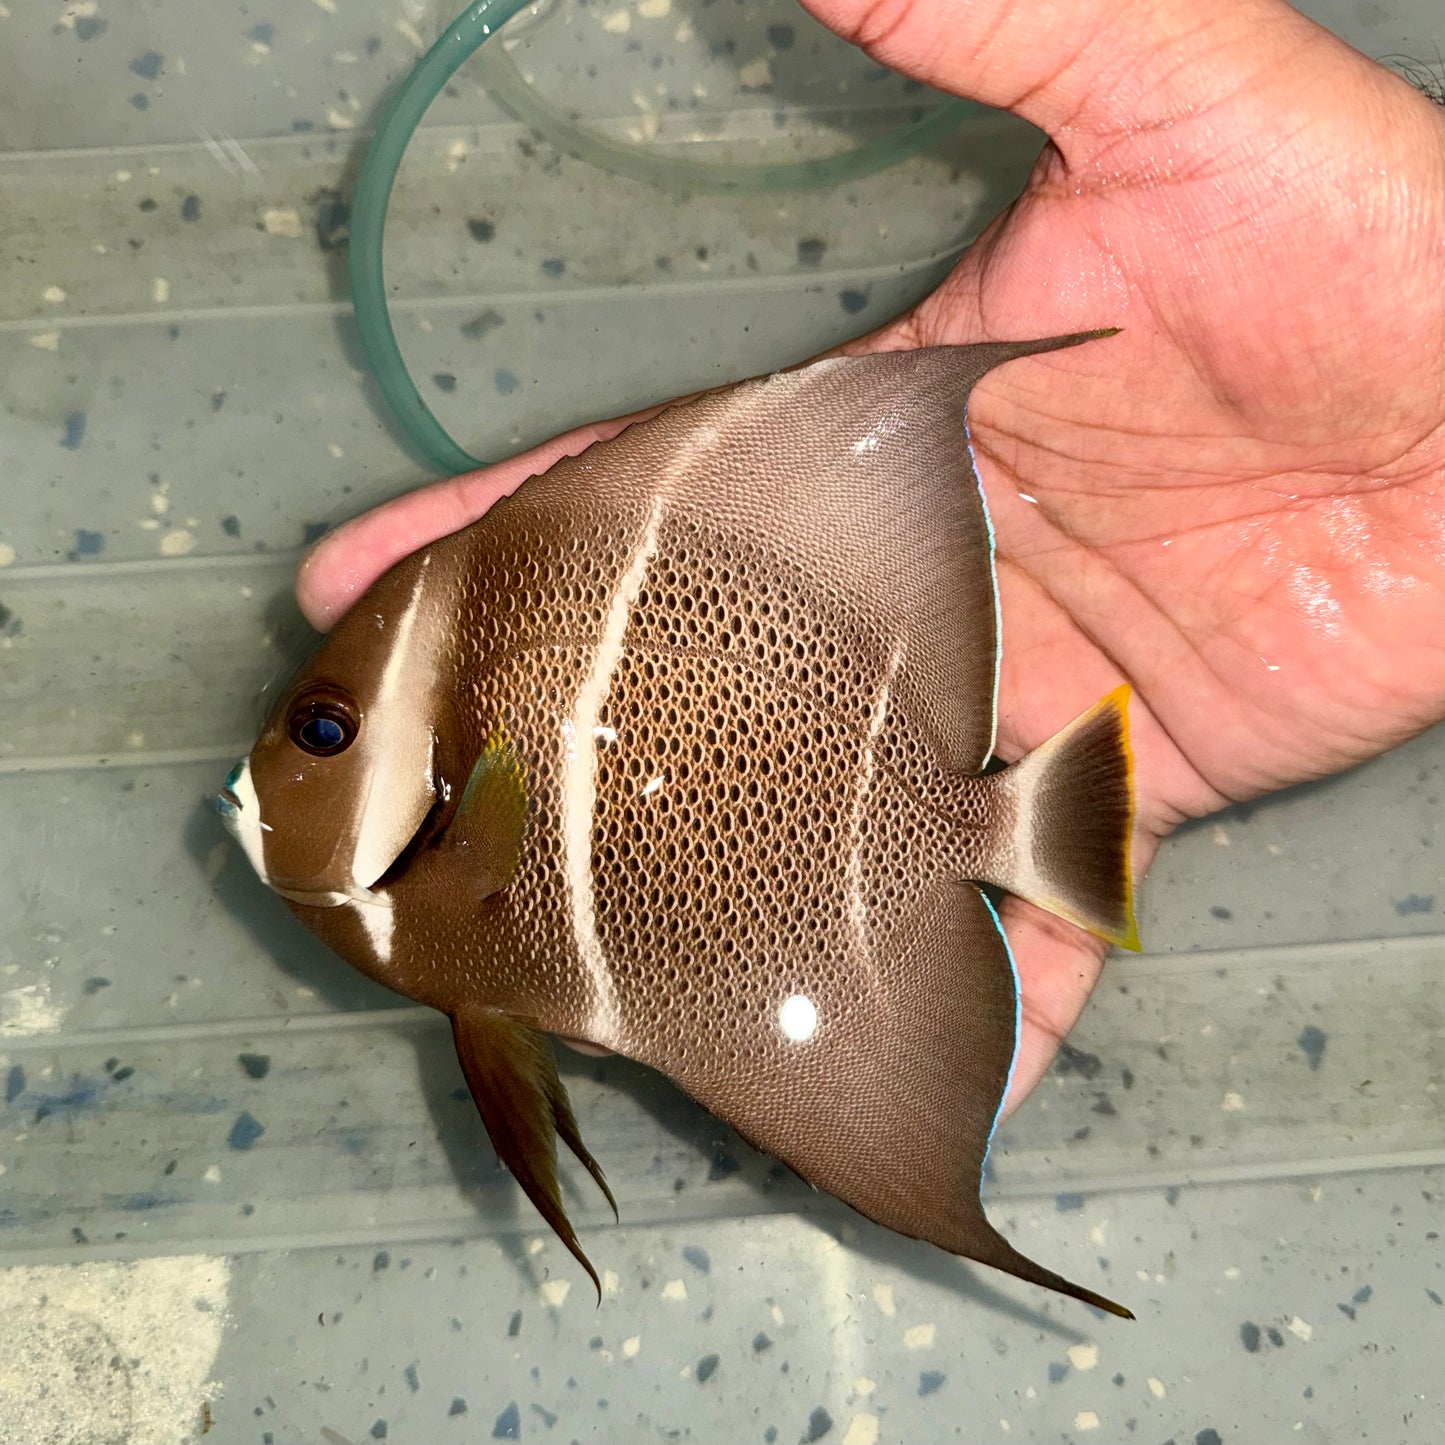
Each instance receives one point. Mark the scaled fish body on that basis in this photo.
(679, 751)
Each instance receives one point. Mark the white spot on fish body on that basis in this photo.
(379, 919)
(244, 821)
(798, 1017)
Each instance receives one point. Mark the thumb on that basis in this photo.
(1078, 69)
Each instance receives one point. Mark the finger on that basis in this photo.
(347, 561)
(1075, 68)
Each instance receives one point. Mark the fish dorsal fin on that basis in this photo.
(512, 1074)
(858, 470)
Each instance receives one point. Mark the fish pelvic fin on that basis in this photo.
(490, 822)
(1073, 805)
(512, 1075)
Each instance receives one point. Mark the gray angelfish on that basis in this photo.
(679, 752)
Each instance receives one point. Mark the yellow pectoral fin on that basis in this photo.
(491, 818)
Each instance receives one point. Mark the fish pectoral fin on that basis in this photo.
(490, 822)
(512, 1074)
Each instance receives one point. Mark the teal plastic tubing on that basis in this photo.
(403, 113)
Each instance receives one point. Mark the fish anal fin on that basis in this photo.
(512, 1076)
(1073, 801)
(490, 821)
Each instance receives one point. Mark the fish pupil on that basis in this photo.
(322, 733)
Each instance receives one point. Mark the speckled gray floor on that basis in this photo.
(242, 1193)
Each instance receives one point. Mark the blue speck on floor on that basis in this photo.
(262, 34)
(380, 1260)
(378, 1430)
(245, 1131)
(1312, 1041)
(509, 1424)
(94, 985)
(1057, 1371)
(87, 27)
(444, 381)
(191, 208)
(505, 381)
(74, 430)
(931, 1381)
(553, 266)
(1207, 1436)
(770, 1434)
(1434, 1298)
(314, 532)
(1068, 1203)
(140, 102)
(483, 230)
(819, 1423)
(706, 1368)
(231, 526)
(120, 1075)
(761, 1342)
(413, 1380)
(1362, 1295)
(1415, 903)
(1249, 1336)
(1220, 912)
(148, 66)
(781, 37)
(458, 1406)
(811, 250)
(514, 1325)
(722, 1167)
(257, 1066)
(697, 1257)
(89, 544)
(545, 1416)
(852, 301)
(14, 1083)
(478, 326)
(333, 220)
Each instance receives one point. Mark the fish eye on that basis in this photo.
(323, 724)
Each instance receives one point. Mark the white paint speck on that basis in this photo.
(674, 1289)
(212, 1174)
(410, 34)
(1156, 1387)
(863, 1386)
(45, 340)
(336, 449)
(160, 290)
(54, 295)
(757, 74)
(28, 1010)
(7, 555)
(160, 502)
(1232, 1103)
(1099, 1234)
(339, 120)
(883, 1298)
(1083, 1357)
(919, 1337)
(1086, 1420)
(684, 34)
(862, 1430)
(1232, 1272)
(216, 860)
(618, 23)
(1300, 1329)
(456, 156)
(1220, 836)
(282, 221)
(555, 1292)
(776, 1315)
(630, 1347)
(536, 1245)
(329, 6)
(178, 542)
(610, 1283)
(63, 1325)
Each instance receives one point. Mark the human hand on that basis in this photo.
(1235, 505)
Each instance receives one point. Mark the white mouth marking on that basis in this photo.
(245, 823)
(579, 787)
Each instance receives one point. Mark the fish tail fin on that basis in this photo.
(1073, 801)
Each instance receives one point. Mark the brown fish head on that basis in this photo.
(345, 772)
